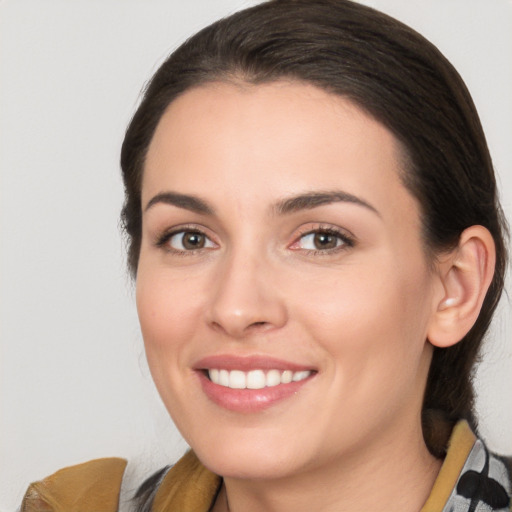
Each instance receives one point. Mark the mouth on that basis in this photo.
(251, 384)
(255, 379)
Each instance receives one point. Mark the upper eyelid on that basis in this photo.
(330, 228)
(348, 240)
(163, 236)
(178, 228)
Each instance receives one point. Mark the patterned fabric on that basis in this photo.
(483, 485)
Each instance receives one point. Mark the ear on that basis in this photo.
(465, 275)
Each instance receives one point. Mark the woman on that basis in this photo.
(318, 249)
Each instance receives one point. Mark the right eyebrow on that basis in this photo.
(188, 202)
(314, 199)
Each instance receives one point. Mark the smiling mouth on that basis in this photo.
(255, 379)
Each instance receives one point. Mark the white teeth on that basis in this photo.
(223, 378)
(214, 375)
(300, 375)
(273, 378)
(255, 379)
(286, 377)
(237, 379)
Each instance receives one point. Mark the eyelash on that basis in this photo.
(348, 241)
(163, 240)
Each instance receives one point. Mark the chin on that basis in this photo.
(255, 467)
(250, 458)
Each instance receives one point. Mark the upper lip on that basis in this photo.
(247, 363)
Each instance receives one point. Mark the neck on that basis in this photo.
(391, 474)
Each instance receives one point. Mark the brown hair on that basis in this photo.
(395, 75)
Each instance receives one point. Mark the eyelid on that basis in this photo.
(348, 239)
(163, 237)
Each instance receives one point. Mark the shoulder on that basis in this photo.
(187, 485)
(93, 485)
(96, 486)
(472, 478)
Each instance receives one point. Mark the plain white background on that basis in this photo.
(74, 382)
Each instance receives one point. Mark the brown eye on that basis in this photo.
(193, 240)
(325, 241)
(189, 241)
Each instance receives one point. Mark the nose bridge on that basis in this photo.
(245, 298)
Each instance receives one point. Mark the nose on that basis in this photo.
(246, 298)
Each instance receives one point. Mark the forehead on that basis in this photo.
(279, 138)
(284, 112)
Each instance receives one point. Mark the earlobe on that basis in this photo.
(465, 274)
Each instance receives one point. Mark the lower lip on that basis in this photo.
(249, 400)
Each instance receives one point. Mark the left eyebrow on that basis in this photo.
(185, 201)
(312, 200)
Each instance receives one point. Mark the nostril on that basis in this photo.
(257, 324)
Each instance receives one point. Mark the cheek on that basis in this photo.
(371, 315)
(167, 312)
(372, 330)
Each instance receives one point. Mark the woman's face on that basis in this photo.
(282, 289)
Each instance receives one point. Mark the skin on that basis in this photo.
(358, 314)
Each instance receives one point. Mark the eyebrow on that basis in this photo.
(188, 202)
(306, 201)
(312, 200)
